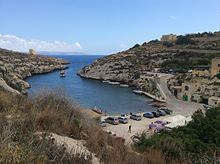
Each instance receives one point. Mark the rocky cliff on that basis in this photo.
(15, 67)
(133, 66)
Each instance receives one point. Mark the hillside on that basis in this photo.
(132, 65)
(15, 67)
(50, 128)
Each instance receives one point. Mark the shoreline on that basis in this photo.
(16, 67)
(178, 106)
(63, 67)
(44, 73)
(149, 95)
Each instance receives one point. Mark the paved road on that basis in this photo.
(178, 106)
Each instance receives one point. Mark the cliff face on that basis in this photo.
(133, 65)
(15, 67)
(130, 66)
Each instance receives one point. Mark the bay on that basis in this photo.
(89, 93)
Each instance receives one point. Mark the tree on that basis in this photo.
(218, 75)
(184, 40)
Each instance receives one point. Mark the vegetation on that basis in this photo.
(154, 41)
(168, 44)
(184, 64)
(187, 61)
(218, 75)
(198, 142)
(204, 34)
(184, 40)
(135, 46)
(21, 120)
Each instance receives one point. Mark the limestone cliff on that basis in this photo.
(130, 67)
(15, 67)
(133, 66)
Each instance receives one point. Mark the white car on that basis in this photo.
(123, 120)
(136, 117)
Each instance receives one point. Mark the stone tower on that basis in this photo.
(215, 66)
(32, 52)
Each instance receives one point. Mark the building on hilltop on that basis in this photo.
(215, 66)
(32, 52)
(169, 38)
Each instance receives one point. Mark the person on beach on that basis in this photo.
(129, 129)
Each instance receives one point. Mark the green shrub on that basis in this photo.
(198, 140)
(218, 75)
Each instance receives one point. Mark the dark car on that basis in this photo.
(168, 111)
(148, 115)
(162, 112)
(112, 120)
(156, 114)
(136, 117)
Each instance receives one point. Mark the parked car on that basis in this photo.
(156, 114)
(163, 123)
(148, 115)
(123, 120)
(112, 120)
(168, 111)
(125, 115)
(162, 112)
(103, 124)
(136, 117)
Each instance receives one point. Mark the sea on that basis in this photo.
(88, 93)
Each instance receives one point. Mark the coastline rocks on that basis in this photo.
(4, 86)
(130, 67)
(15, 67)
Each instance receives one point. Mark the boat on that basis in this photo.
(124, 85)
(105, 81)
(113, 83)
(158, 104)
(137, 91)
(99, 111)
(62, 73)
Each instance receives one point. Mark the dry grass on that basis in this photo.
(22, 117)
(111, 150)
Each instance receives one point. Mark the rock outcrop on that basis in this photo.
(131, 67)
(15, 67)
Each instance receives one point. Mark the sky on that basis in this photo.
(100, 26)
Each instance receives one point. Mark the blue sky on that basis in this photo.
(100, 26)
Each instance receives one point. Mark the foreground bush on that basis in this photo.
(198, 142)
(22, 118)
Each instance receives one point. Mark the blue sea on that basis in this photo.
(89, 93)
